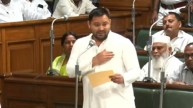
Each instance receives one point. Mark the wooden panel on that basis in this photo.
(120, 21)
(45, 52)
(80, 27)
(1, 58)
(19, 33)
(21, 57)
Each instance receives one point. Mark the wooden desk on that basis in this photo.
(32, 90)
(39, 91)
(25, 46)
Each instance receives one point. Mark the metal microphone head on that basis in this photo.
(65, 17)
(91, 43)
(175, 51)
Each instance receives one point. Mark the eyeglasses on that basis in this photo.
(186, 56)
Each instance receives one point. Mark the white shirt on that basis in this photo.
(180, 41)
(17, 11)
(171, 70)
(171, 2)
(37, 7)
(124, 62)
(68, 7)
(185, 75)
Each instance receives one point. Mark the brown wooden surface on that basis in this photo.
(32, 90)
(25, 46)
(39, 91)
(144, 7)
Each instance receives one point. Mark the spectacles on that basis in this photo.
(186, 56)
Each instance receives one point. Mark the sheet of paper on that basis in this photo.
(99, 78)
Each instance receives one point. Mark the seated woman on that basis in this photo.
(59, 63)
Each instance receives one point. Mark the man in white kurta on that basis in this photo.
(171, 28)
(72, 8)
(162, 60)
(111, 52)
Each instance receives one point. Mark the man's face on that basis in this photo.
(100, 27)
(160, 52)
(171, 24)
(159, 49)
(188, 56)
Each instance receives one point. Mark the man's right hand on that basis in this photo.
(102, 57)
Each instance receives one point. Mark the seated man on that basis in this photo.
(161, 60)
(186, 69)
(72, 8)
(12, 11)
(171, 27)
(40, 7)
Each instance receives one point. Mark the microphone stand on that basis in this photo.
(51, 72)
(163, 86)
(189, 24)
(77, 72)
(133, 20)
(149, 48)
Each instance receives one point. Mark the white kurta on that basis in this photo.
(172, 69)
(67, 7)
(124, 62)
(180, 41)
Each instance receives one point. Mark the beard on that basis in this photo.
(158, 63)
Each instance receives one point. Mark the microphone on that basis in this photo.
(78, 72)
(52, 71)
(163, 78)
(91, 44)
(149, 45)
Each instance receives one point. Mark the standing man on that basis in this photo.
(162, 60)
(186, 73)
(72, 8)
(162, 7)
(171, 27)
(111, 52)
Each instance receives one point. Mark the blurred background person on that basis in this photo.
(13, 11)
(161, 61)
(72, 8)
(59, 63)
(163, 7)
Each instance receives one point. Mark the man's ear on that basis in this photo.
(170, 50)
(180, 24)
(88, 22)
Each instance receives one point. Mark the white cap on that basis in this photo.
(161, 38)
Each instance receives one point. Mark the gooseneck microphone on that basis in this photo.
(149, 48)
(78, 72)
(51, 71)
(163, 78)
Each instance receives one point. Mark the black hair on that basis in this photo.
(65, 35)
(189, 44)
(100, 11)
(178, 17)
